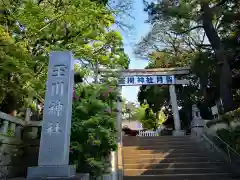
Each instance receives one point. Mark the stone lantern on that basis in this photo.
(197, 124)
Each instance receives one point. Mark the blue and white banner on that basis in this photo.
(145, 80)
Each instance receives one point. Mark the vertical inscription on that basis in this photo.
(59, 70)
(53, 129)
(55, 108)
(56, 127)
(57, 88)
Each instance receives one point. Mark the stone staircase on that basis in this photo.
(171, 158)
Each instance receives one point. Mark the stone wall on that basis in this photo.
(221, 125)
(19, 144)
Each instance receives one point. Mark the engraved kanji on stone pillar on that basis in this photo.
(53, 158)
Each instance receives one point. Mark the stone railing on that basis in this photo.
(148, 133)
(19, 144)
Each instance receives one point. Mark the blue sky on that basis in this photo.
(130, 38)
(139, 30)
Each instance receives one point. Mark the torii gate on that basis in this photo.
(138, 77)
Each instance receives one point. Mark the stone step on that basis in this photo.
(164, 146)
(154, 139)
(157, 139)
(174, 165)
(209, 176)
(151, 171)
(168, 160)
(158, 143)
(162, 155)
(160, 150)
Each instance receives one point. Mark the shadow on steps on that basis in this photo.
(170, 158)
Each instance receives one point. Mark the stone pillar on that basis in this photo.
(177, 123)
(197, 124)
(53, 160)
(114, 165)
(5, 126)
(28, 115)
(13, 128)
(119, 136)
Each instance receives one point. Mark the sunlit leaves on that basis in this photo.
(15, 66)
(93, 128)
(30, 30)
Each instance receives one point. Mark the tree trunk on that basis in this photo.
(225, 73)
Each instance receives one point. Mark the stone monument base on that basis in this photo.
(51, 172)
(178, 133)
(197, 131)
(197, 127)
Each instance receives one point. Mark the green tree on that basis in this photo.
(147, 117)
(129, 110)
(31, 29)
(166, 50)
(93, 128)
(140, 112)
(186, 17)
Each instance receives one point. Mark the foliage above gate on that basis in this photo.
(29, 30)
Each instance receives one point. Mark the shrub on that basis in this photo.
(226, 118)
(231, 137)
(93, 128)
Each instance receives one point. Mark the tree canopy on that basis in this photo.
(29, 30)
(196, 34)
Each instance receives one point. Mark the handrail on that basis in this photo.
(18, 121)
(225, 143)
(11, 119)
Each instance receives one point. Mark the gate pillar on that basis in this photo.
(177, 123)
